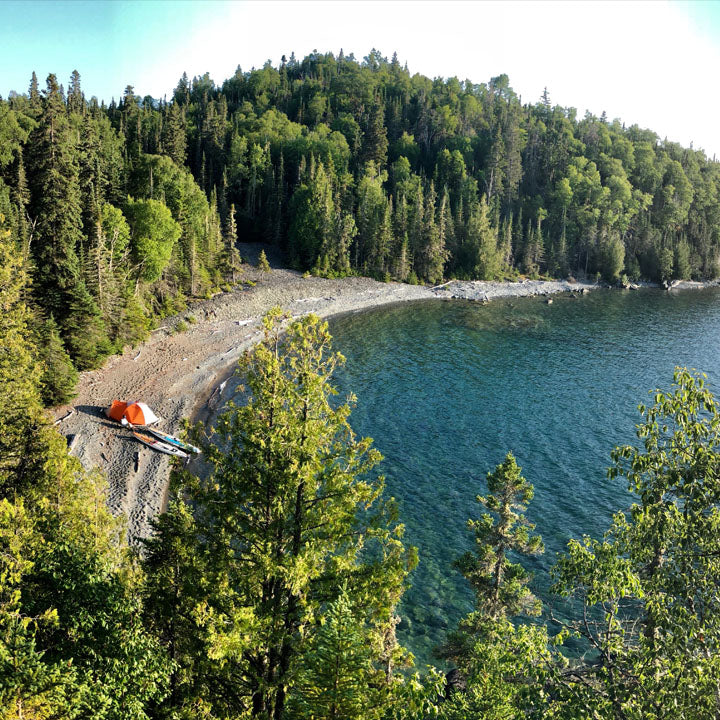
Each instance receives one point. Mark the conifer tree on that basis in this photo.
(280, 513)
(20, 461)
(334, 258)
(312, 208)
(375, 142)
(506, 668)
(75, 97)
(263, 263)
(501, 586)
(21, 198)
(59, 377)
(232, 254)
(432, 254)
(34, 96)
(175, 574)
(173, 140)
(56, 212)
(68, 641)
(337, 680)
(481, 242)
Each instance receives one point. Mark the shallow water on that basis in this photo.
(446, 389)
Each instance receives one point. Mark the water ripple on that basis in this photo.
(446, 389)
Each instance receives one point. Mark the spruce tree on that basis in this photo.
(336, 679)
(233, 260)
(432, 254)
(506, 667)
(56, 212)
(59, 377)
(281, 524)
(263, 263)
(375, 142)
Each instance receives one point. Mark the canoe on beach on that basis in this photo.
(172, 440)
(156, 444)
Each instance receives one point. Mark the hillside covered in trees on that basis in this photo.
(122, 212)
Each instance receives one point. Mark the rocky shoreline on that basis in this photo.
(180, 374)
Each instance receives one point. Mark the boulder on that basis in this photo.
(455, 681)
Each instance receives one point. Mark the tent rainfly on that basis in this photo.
(132, 413)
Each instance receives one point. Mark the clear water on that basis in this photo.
(446, 389)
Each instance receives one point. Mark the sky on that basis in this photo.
(649, 63)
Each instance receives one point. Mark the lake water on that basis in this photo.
(446, 389)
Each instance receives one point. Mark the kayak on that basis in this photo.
(156, 444)
(172, 440)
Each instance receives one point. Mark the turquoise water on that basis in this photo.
(446, 389)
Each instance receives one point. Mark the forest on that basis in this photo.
(125, 211)
(270, 586)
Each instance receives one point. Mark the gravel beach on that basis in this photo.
(179, 373)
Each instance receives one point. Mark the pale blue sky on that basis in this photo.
(651, 63)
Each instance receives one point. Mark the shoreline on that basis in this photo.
(181, 375)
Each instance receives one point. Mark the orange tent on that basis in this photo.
(135, 413)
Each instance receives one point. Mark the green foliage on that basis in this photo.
(199, 240)
(21, 451)
(154, 232)
(348, 167)
(505, 667)
(507, 672)
(69, 643)
(282, 528)
(649, 589)
(336, 678)
(59, 377)
(375, 172)
(263, 263)
(501, 586)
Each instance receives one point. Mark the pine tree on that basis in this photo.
(280, 513)
(59, 377)
(431, 255)
(56, 211)
(501, 586)
(375, 142)
(336, 679)
(491, 652)
(233, 260)
(263, 263)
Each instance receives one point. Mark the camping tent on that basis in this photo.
(135, 413)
